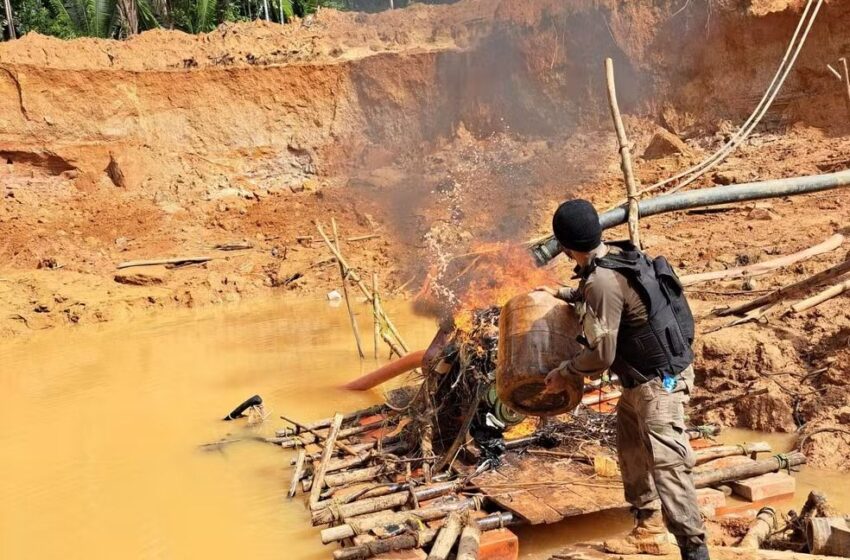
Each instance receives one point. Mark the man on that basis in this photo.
(636, 323)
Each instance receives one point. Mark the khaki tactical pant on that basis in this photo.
(655, 455)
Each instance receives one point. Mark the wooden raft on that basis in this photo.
(542, 490)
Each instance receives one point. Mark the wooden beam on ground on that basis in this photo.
(765, 267)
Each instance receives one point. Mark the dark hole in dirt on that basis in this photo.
(52, 163)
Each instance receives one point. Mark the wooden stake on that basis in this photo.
(319, 476)
(10, 19)
(625, 154)
(446, 538)
(352, 274)
(297, 473)
(846, 81)
(355, 415)
(375, 311)
(343, 271)
(318, 436)
(818, 299)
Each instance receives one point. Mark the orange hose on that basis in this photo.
(383, 374)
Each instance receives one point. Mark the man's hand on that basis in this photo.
(549, 290)
(555, 381)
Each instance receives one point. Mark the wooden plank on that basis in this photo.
(520, 502)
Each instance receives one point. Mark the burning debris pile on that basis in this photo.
(449, 449)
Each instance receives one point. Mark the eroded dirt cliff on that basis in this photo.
(437, 129)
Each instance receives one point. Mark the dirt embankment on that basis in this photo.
(436, 128)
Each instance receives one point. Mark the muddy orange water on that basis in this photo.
(100, 427)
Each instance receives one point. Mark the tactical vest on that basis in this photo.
(663, 344)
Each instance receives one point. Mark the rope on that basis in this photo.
(784, 462)
(758, 113)
(336, 511)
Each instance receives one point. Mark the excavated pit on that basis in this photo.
(439, 128)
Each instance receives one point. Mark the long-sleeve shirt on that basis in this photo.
(604, 301)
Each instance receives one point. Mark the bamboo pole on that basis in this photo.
(10, 20)
(758, 269)
(846, 81)
(788, 290)
(375, 308)
(297, 473)
(317, 435)
(381, 503)
(446, 538)
(823, 296)
(359, 526)
(352, 274)
(625, 155)
(409, 541)
(356, 415)
(319, 477)
(749, 470)
(720, 451)
(359, 475)
(470, 542)
(343, 271)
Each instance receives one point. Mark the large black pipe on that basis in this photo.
(546, 250)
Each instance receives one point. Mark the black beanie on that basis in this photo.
(576, 226)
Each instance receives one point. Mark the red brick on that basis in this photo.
(709, 500)
(500, 544)
(765, 486)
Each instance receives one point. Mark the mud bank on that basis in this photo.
(435, 129)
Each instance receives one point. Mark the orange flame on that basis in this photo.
(490, 275)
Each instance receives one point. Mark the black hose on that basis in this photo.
(548, 249)
(256, 400)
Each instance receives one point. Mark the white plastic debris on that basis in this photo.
(334, 296)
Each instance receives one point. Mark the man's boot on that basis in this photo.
(649, 536)
(691, 550)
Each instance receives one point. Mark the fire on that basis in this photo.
(488, 276)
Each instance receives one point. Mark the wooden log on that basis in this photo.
(446, 538)
(366, 524)
(409, 541)
(818, 299)
(761, 528)
(749, 470)
(343, 446)
(297, 473)
(765, 267)
(319, 477)
(349, 462)
(788, 290)
(381, 503)
(153, 262)
(359, 475)
(360, 448)
(343, 272)
(376, 317)
(356, 415)
(343, 434)
(470, 542)
(719, 451)
(408, 362)
(625, 154)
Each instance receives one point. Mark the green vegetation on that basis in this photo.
(123, 18)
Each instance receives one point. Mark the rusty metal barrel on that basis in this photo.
(536, 333)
